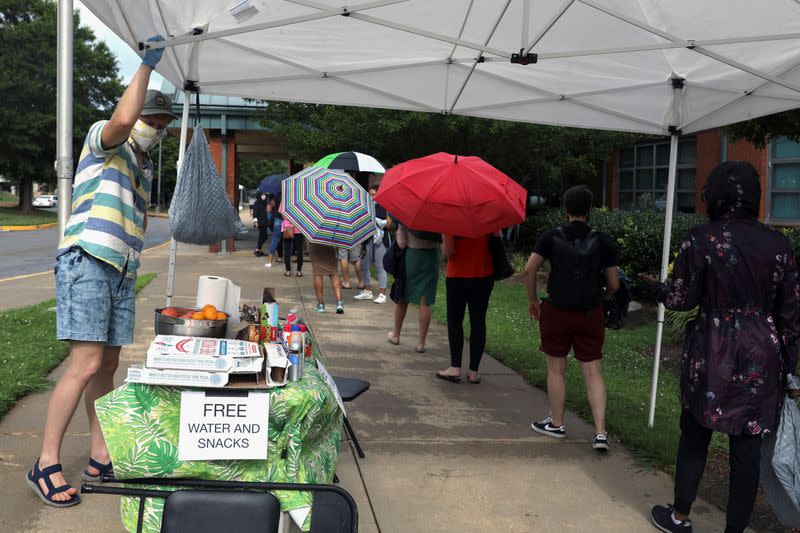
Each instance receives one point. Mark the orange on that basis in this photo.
(206, 307)
(221, 316)
(169, 311)
(210, 312)
(198, 316)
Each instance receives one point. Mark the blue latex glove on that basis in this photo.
(153, 56)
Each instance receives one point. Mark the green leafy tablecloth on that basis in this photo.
(141, 423)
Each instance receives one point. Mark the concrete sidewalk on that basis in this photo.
(440, 456)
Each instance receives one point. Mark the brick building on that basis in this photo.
(635, 177)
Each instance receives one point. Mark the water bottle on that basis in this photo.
(296, 348)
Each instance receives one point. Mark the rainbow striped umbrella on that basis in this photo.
(328, 207)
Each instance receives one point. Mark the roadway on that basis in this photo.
(29, 252)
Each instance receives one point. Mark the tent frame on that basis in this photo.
(64, 161)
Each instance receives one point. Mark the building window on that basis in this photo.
(784, 181)
(642, 175)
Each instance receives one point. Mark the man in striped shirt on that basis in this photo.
(96, 269)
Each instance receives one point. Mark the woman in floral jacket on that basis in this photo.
(743, 277)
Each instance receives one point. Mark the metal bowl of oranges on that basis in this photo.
(191, 322)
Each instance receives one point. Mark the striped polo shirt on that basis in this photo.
(109, 198)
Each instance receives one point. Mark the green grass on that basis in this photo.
(513, 339)
(11, 216)
(7, 197)
(29, 349)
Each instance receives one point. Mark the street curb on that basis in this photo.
(28, 228)
(157, 215)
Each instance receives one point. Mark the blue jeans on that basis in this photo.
(94, 301)
(276, 236)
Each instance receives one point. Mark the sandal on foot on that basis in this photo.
(473, 381)
(391, 338)
(419, 350)
(106, 470)
(299, 274)
(347, 286)
(288, 273)
(33, 477)
(445, 377)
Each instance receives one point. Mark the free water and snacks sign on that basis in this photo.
(223, 425)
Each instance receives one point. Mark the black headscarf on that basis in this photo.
(732, 190)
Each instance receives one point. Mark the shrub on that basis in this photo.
(638, 235)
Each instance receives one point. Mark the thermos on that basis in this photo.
(296, 349)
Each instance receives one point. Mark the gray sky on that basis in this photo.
(127, 60)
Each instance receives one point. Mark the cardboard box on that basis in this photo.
(269, 315)
(191, 378)
(202, 347)
(204, 363)
(277, 365)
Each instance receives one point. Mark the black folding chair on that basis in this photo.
(349, 390)
(209, 506)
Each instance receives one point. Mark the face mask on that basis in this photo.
(145, 136)
(263, 197)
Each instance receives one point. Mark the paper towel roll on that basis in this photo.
(212, 290)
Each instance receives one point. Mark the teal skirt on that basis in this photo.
(422, 275)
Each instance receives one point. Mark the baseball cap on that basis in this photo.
(157, 103)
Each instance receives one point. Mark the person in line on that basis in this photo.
(421, 278)
(583, 270)
(469, 283)
(95, 271)
(743, 276)
(261, 211)
(374, 251)
(277, 232)
(292, 240)
(323, 263)
(347, 257)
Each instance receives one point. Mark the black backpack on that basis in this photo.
(576, 275)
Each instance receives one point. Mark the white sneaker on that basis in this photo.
(363, 295)
(381, 299)
(268, 264)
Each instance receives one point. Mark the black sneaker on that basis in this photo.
(546, 428)
(662, 519)
(600, 442)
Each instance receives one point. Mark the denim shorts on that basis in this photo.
(94, 301)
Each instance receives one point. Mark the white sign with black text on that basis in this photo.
(329, 380)
(223, 425)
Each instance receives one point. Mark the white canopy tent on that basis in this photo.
(652, 66)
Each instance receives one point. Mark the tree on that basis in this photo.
(759, 131)
(28, 39)
(544, 157)
(251, 172)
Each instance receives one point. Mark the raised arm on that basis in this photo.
(129, 107)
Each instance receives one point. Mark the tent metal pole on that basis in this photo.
(158, 192)
(673, 165)
(173, 246)
(64, 161)
(677, 101)
(346, 10)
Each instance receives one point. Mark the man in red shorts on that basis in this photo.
(583, 271)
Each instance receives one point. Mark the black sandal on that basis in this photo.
(33, 477)
(288, 273)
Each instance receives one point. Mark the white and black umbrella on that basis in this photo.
(351, 162)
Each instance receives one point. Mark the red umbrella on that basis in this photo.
(456, 195)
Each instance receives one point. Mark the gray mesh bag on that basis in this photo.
(200, 212)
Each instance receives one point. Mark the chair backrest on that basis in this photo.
(210, 511)
(331, 513)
